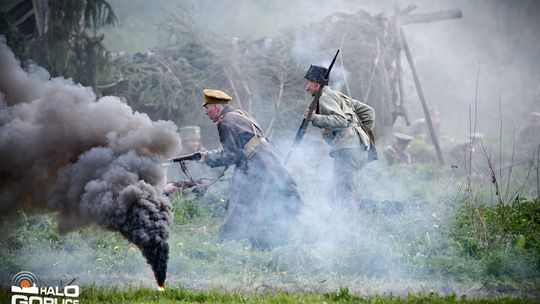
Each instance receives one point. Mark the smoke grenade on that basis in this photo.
(95, 162)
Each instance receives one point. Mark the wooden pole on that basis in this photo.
(432, 133)
(401, 106)
(432, 17)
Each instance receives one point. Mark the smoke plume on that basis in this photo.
(91, 161)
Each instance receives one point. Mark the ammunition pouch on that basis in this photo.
(253, 145)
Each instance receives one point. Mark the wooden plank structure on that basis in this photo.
(402, 17)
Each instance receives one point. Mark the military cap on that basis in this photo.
(215, 96)
(190, 132)
(403, 137)
(317, 74)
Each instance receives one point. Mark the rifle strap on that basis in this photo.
(217, 178)
(255, 141)
(254, 125)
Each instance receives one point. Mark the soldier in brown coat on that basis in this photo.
(263, 197)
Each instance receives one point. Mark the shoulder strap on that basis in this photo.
(254, 124)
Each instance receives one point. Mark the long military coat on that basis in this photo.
(263, 198)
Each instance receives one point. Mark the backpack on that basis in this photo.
(362, 112)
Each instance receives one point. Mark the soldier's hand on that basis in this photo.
(306, 113)
(203, 156)
(169, 189)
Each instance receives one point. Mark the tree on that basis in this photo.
(64, 40)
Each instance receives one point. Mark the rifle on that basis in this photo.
(181, 159)
(303, 126)
(193, 156)
(199, 185)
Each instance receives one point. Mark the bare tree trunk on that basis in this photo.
(235, 91)
(372, 72)
(343, 66)
(249, 98)
(384, 115)
(282, 78)
(41, 14)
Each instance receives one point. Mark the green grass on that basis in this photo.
(181, 295)
(445, 241)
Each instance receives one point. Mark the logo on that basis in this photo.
(25, 282)
(26, 289)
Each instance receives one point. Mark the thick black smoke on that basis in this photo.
(92, 161)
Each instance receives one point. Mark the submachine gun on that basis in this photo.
(303, 126)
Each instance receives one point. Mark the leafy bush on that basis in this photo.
(505, 239)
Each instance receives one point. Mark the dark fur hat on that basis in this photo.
(317, 74)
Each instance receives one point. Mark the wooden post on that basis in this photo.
(432, 17)
(422, 98)
(397, 29)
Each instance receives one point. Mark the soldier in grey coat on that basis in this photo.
(345, 124)
(263, 198)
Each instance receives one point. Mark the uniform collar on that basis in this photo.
(326, 88)
(226, 109)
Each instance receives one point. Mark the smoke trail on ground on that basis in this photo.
(92, 161)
